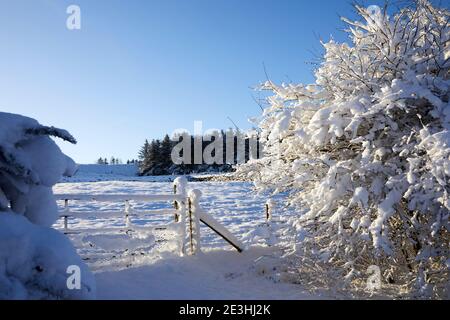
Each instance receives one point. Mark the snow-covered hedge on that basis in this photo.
(33, 257)
(365, 151)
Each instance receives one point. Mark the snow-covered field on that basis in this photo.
(146, 263)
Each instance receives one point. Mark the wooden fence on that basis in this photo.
(186, 211)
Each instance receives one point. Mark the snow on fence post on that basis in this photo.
(270, 204)
(66, 215)
(179, 187)
(182, 226)
(175, 202)
(194, 221)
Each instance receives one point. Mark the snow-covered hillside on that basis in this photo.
(101, 172)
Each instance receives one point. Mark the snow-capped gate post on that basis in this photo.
(179, 187)
(194, 221)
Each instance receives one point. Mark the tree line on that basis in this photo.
(114, 161)
(155, 156)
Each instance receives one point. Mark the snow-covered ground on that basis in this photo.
(216, 274)
(146, 263)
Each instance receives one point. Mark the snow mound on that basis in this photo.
(34, 262)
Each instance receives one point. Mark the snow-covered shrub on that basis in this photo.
(365, 151)
(33, 257)
(30, 164)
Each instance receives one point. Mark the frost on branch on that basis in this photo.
(33, 257)
(366, 149)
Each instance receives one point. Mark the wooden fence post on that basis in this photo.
(191, 228)
(127, 214)
(182, 216)
(269, 209)
(175, 203)
(179, 187)
(66, 217)
(194, 221)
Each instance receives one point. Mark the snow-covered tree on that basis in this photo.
(144, 155)
(365, 151)
(33, 257)
(165, 153)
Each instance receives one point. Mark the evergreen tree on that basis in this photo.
(144, 156)
(165, 154)
(143, 153)
(33, 256)
(156, 158)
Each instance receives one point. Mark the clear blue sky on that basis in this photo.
(140, 69)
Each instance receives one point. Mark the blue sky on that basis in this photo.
(140, 69)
